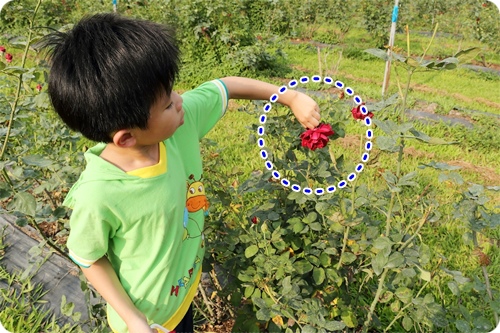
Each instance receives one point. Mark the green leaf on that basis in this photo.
(379, 262)
(387, 143)
(311, 217)
(334, 325)
(23, 202)
(37, 160)
(263, 314)
(249, 291)
(454, 288)
(442, 166)
(396, 259)
(406, 180)
(316, 226)
(382, 243)
(425, 275)
(308, 329)
(389, 127)
(251, 251)
(318, 275)
(2, 65)
(298, 227)
(412, 62)
(462, 326)
(302, 266)
(349, 318)
(407, 323)
(379, 53)
(348, 257)
(404, 294)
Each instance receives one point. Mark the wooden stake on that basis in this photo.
(387, 73)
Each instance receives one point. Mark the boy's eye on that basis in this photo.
(170, 105)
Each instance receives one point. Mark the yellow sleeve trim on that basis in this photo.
(153, 170)
(224, 95)
(85, 263)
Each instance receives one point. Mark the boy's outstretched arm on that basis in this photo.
(305, 109)
(104, 279)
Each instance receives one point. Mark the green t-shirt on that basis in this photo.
(150, 228)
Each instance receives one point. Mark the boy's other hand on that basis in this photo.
(306, 110)
(139, 325)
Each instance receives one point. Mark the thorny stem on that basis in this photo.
(420, 225)
(348, 228)
(207, 302)
(486, 278)
(375, 300)
(400, 313)
(50, 242)
(389, 215)
(276, 301)
(19, 82)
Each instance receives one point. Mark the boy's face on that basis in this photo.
(166, 115)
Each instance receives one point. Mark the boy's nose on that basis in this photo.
(178, 104)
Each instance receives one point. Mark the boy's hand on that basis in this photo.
(139, 325)
(305, 109)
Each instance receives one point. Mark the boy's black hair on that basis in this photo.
(108, 71)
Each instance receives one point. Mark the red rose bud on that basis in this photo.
(357, 114)
(8, 57)
(39, 87)
(2, 49)
(317, 137)
(254, 220)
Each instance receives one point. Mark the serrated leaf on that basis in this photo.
(349, 319)
(334, 325)
(412, 62)
(251, 251)
(379, 53)
(348, 257)
(462, 326)
(387, 143)
(389, 127)
(404, 294)
(396, 259)
(23, 202)
(379, 262)
(318, 275)
(37, 160)
(407, 323)
(441, 166)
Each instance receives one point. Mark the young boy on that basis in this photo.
(139, 206)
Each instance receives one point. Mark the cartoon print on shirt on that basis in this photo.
(196, 200)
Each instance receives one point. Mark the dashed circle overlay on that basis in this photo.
(364, 157)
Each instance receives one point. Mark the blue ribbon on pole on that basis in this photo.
(394, 14)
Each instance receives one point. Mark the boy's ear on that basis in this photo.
(124, 139)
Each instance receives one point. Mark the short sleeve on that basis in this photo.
(205, 105)
(90, 231)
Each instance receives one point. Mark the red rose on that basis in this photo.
(317, 137)
(254, 220)
(2, 49)
(8, 57)
(357, 114)
(39, 87)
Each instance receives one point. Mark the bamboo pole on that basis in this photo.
(387, 73)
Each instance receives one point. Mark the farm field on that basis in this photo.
(411, 244)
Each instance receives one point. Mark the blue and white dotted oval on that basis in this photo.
(329, 188)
